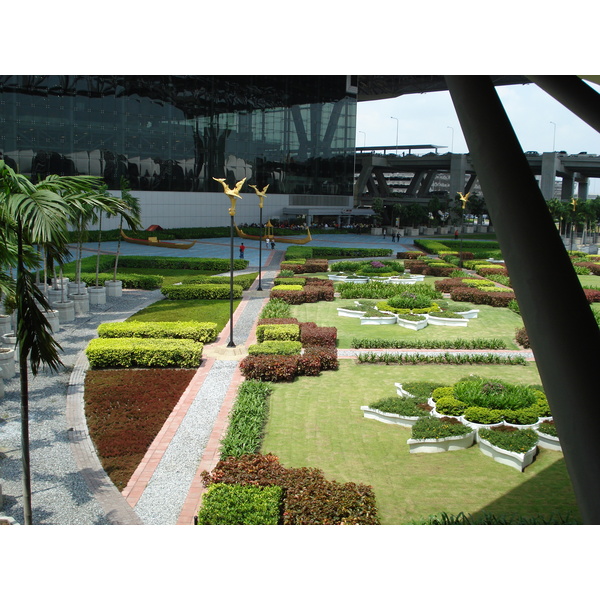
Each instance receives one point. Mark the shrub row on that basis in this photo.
(270, 347)
(308, 498)
(280, 332)
(245, 280)
(478, 296)
(192, 330)
(493, 519)
(204, 291)
(445, 358)
(124, 353)
(308, 294)
(378, 289)
(130, 281)
(219, 265)
(247, 419)
(458, 344)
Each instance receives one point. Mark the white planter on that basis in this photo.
(391, 418)
(7, 363)
(66, 311)
(516, 460)
(399, 281)
(477, 426)
(55, 295)
(346, 312)
(97, 294)
(520, 426)
(383, 320)
(402, 392)
(413, 231)
(400, 232)
(444, 230)
(75, 288)
(433, 320)
(482, 228)
(58, 281)
(414, 325)
(114, 288)
(469, 229)
(53, 320)
(429, 231)
(9, 340)
(81, 304)
(549, 442)
(331, 277)
(357, 280)
(448, 444)
(469, 314)
(5, 324)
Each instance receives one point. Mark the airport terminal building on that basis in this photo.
(170, 135)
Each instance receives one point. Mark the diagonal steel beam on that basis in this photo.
(564, 336)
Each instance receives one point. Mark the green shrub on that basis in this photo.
(284, 348)
(493, 393)
(548, 428)
(130, 281)
(409, 300)
(286, 273)
(508, 438)
(450, 406)
(294, 281)
(399, 406)
(434, 428)
(245, 281)
(492, 519)
(442, 392)
(247, 419)
(200, 291)
(289, 332)
(456, 344)
(521, 416)
(117, 353)
(276, 308)
(193, 330)
(225, 504)
(282, 288)
(421, 389)
(485, 416)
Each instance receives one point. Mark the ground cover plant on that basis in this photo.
(125, 410)
(319, 424)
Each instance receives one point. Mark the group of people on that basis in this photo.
(269, 243)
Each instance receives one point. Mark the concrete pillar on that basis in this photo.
(549, 168)
(565, 350)
(583, 184)
(458, 169)
(567, 187)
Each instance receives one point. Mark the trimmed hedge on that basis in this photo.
(245, 280)
(278, 332)
(457, 344)
(192, 330)
(203, 291)
(123, 353)
(225, 504)
(270, 347)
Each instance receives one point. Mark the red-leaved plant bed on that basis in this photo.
(125, 410)
(308, 498)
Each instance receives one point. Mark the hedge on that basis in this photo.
(271, 347)
(130, 281)
(119, 353)
(278, 332)
(245, 280)
(192, 330)
(204, 291)
(225, 504)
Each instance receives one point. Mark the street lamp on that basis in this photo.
(365, 139)
(554, 136)
(452, 142)
(261, 198)
(397, 124)
(233, 195)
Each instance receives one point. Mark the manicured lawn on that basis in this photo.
(317, 421)
(499, 323)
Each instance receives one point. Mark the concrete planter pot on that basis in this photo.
(66, 311)
(429, 231)
(9, 340)
(413, 231)
(400, 232)
(76, 288)
(114, 288)
(469, 314)
(383, 320)
(5, 324)
(549, 442)
(414, 325)
(469, 229)
(433, 320)
(53, 319)
(516, 460)
(81, 304)
(7, 363)
(391, 418)
(97, 294)
(448, 444)
(401, 281)
(56, 295)
(346, 312)
(57, 281)
(402, 392)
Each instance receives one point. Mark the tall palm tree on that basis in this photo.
(134, 212)
(38, 214)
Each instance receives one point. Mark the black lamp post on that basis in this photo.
(233, 195)
(261, 198)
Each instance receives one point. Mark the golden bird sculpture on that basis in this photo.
(574, 203)
(232, 194)
(262, 194)
(464, 199)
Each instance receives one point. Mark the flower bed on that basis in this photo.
(433, 435)
(511, 447)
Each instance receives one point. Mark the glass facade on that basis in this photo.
(295, 133)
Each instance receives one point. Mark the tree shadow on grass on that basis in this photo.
(547, 494)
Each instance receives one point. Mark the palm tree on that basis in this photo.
(38, 214)
(133, 212)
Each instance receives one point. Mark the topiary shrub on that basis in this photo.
(450, 406)
(202, 291)
(281, 332)
(270, 368)
(193, 330)
(509, 438)
(484, 416)
(270, 347)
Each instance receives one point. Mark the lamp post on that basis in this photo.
(233, 195)
(553, 136)
(261, 198)
(452, 139)
(365, 138)
(464, 200)
(397, 124)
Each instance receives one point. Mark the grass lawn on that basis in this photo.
(206, 311)
(492, 322)
(317, 421)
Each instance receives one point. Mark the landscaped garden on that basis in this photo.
(299, 429)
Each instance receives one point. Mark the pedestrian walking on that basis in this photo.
(456, 234)
(393, 236)
(267, 243)
(242, 248)
(272, 244)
